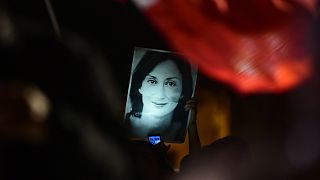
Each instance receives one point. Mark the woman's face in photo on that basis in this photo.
(161, 89)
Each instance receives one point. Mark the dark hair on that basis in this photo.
(147, 63)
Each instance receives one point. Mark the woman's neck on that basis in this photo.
(156, 122)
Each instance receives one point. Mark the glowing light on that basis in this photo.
(222, 5)
(144, 3)
(38, 103)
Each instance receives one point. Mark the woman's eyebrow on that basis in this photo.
(170, 78)
(151, 76)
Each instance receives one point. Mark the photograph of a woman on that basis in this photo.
(161, 83)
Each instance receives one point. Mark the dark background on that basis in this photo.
(272, 124)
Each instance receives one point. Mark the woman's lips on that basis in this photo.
(159, 104)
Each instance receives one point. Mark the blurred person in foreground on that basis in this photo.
(56, 121)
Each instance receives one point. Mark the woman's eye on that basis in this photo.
(170, 83)
(151, 81)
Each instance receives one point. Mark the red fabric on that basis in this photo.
(253, 45)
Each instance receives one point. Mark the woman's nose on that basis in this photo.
(159, 91)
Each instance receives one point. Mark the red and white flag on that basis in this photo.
(252, 45)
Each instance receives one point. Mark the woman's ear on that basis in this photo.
(140, 91)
